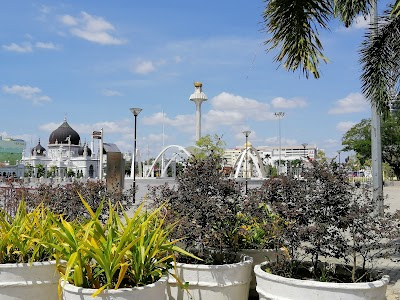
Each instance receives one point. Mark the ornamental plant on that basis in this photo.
(24, 236)
(215, 219)
(62, 198)
(121, 252)
(326, 217)
(259, 226)
(205, 206)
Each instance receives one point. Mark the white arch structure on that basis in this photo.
(180, 148)
(254, 156)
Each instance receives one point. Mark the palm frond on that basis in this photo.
(348, 10)
(294, 26)
(380, 56)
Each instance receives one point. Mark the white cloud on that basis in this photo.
(69, 20)
(360, 22)
(180, 121)
(48, 46)
(111, 127)
(245, 107)
(214, 117)
(33, 94)
(110, 93)
(280, 102)
(274, 141)
(144, 67)
(27, 47)
(123, 126)
(18, 48)
(91, 28)
(227, 110)
(49, 127)
(354, 102)
(45, 9)
(178, 59)
(345, 126)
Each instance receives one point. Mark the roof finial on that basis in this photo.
(65, 117)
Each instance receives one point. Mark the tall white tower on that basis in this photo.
(198, 97)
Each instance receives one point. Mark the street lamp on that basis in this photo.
(279, 115)
(135, 112)
(304, 146)
(246, 133)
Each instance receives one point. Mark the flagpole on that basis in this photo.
(101, 155)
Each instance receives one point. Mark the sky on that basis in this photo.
(91, 61)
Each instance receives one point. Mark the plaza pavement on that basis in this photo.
(391, 265)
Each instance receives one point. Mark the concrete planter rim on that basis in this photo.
(87, 291)
(384, 280)
(245, 260)
(21, 265)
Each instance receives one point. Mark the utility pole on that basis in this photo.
(376, 141)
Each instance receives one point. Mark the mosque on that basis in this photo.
(65, 155)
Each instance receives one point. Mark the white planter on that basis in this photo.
(259, 256)
(154, 291)
(28, 282)
(216, 282)
(275, 287)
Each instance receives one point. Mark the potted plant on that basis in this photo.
(123, 257)
(27, 265)
(205, 206)
(259, 233)
(331, 235)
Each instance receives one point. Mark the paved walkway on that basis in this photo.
(391, 266)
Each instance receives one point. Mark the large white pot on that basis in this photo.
(216, 282)
(23, 281)
(154, 291)
(275, 287)
(259, 256)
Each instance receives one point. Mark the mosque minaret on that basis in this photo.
(198, 97)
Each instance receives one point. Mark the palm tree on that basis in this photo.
(294, 25)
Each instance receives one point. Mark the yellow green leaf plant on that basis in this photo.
(25, 236)
(123, 251)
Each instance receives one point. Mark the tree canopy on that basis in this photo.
(358, 139)
(209, 146)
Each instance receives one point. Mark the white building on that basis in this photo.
(65, 153)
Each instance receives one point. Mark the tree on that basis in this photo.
(321, 156)
(51, 172)
(41, 171)
(358, 139)
(28, 170)
(294, 24)
(209, 146)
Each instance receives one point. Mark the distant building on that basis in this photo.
(270, 155)
(65, 155)
(11, 150)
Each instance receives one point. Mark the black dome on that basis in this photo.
(62, 134)
(38, 149)
(82, 149)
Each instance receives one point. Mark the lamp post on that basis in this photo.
(339, 156)
(304, 146)
(246, 133)
(135, 112)
(279, 115)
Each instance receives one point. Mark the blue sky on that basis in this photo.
(92, 60)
